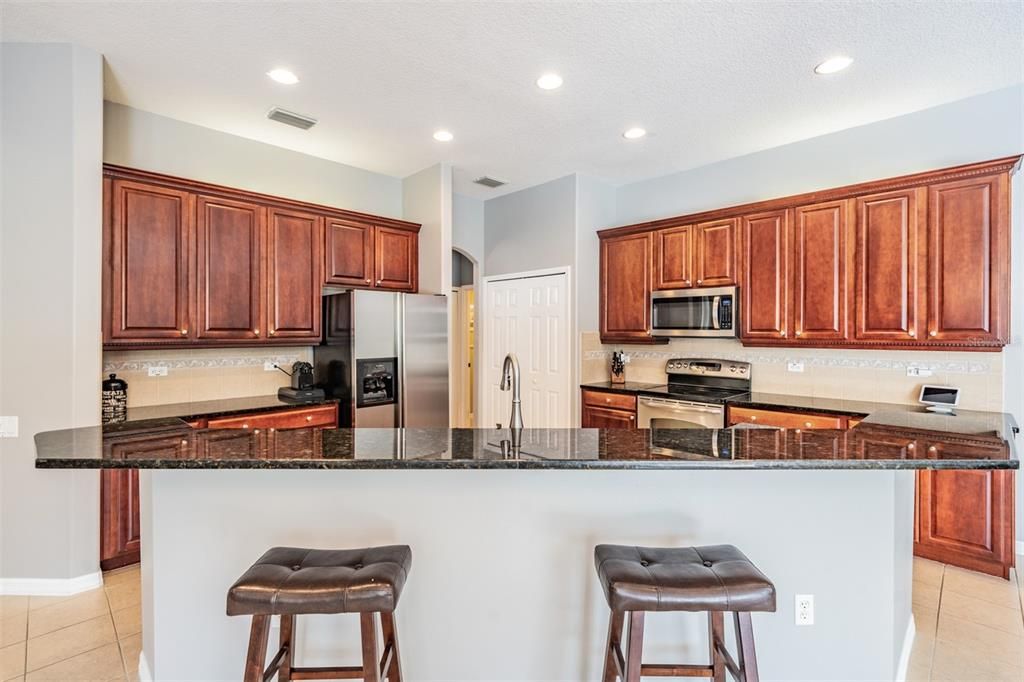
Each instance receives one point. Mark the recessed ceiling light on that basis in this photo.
(634, 133)
(832, 65)
(283, 76)
(443, 136)
(549, 81)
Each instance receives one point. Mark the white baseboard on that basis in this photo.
(145, 674)
(903, 667)
(51, 587)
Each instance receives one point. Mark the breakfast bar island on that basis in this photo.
(503, 526)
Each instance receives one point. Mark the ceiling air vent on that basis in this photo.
(489, 182)
(291, 118)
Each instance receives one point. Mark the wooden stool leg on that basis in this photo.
(716, 639)
(636, 646)
(611, 665)
(745, 644)
(368, 630)
(390, 632)
(284, 673)
(257, 656)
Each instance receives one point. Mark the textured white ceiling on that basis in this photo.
(709, 80)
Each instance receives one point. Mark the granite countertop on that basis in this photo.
(215, 408)
(160, 444)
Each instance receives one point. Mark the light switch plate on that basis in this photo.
(157, 370)
(8, 427)
(795, 366)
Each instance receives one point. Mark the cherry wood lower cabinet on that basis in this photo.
(607, 410)
(297, 429)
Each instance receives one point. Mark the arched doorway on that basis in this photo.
(462, 377)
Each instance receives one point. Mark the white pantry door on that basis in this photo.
(528, 316)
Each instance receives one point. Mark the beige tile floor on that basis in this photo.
(95, 635)
(970, 627)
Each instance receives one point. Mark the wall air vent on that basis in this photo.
(291, 118)
(489, 182)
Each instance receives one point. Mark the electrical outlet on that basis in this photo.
(805, 609)
(625, 359)
(795, 366)
(918, 372)
(157, 370)
(8, 427)
(269, 366)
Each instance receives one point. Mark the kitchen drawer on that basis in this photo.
(784, 420)
(615, 401)
(323, 416)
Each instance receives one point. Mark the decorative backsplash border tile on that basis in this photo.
(954, 367)
(187, 361)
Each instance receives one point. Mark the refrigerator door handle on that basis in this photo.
(400, 343)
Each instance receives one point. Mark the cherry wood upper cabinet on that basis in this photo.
(294, 243)
(230, 261)
(822, 269)
(625, 295)
(396, 258)
(889, 267)
(673, 256)
(348, 251)
(968, 260)
(147, 275)
(765, 291)
(715, 252)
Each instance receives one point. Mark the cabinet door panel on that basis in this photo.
(965, 518)
(349, 253)
(765, 284)
(229, 242)
(294, 242)
(119, 518)
(673, 254)
(716, 253)
(397, 259)
(821, 270)
(626, 287)
(603, 418)
(888, 266)
(968, 248)
(150, 258)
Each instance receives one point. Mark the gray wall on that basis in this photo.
(468, 226)
(532, 229)
(140, 139)
(595, 209)
(50, 353)
(427, 199)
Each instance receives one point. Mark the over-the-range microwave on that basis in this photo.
(695, 312)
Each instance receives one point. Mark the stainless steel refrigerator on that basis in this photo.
(384, 356)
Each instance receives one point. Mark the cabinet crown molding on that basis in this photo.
(1005, 164)
(211, 189)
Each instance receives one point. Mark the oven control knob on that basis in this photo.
(673, 365)
(686, 365)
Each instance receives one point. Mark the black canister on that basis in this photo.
(115, 400)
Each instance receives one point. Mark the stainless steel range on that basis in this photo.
(695, 395)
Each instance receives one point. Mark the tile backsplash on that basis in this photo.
(201, 374)
(875, 375)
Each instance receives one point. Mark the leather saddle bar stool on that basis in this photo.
(714, 579)
(291, 581)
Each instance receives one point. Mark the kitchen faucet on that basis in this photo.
(510, 379)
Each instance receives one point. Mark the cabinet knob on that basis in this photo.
(798, 332)
(309, 417)
(379, 281)
(782, 333)
(699, 281)
(807, 425)
(367, 280)
(272, 332)
(607, 400)
(912, 332)
(686, 282)
(753, 417)
(933, 333)
(256, 332)
(631, 417)
(245, 426)
(184, 332)
(932, 448)
(910, 446)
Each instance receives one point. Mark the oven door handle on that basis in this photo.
(678, 407)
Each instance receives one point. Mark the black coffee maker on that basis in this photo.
(301, 389)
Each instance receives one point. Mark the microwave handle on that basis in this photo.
(716, 303)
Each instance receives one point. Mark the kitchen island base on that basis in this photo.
(503, 585)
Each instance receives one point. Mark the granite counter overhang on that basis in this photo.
(163, 445)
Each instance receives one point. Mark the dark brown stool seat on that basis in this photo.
(292, 581)
(715, 579)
